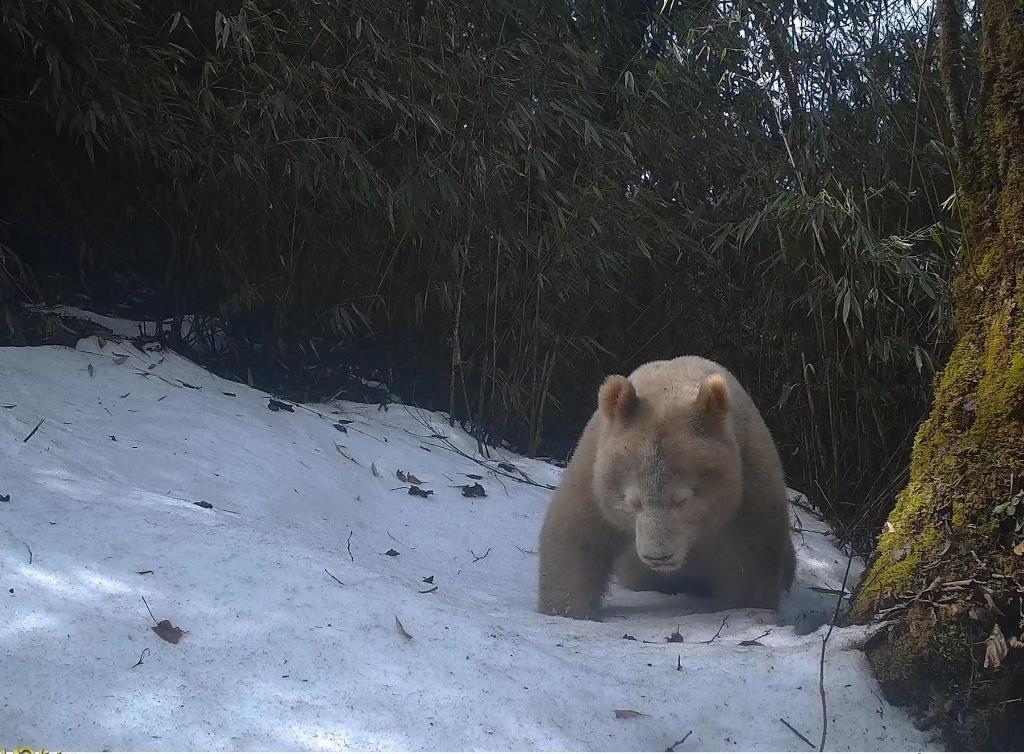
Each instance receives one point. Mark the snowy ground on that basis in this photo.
(278, 654)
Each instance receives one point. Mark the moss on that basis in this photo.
(972, 445)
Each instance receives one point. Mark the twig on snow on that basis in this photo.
(348, 545)
(403, 544)
(718, 633)
(447, 444)
(480, 557)
(821, 664)
(34, 430)
(757, 638)
(800, 735)
(141, 658)
(334, 577)
(155, 621)
(680, 742)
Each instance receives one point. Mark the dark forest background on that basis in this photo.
(491, 205)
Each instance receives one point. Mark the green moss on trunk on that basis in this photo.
(952, 522)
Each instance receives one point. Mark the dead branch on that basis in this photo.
(34, 430)
(718, 633)
(141, 658)
(821, 663)
(149, 611)
(680, 742)
(800, 735)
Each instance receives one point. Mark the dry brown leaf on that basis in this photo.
(401, 630)
(1019, 549)
(373, 468)
(996, 648)
(168, 632)
(628, 714)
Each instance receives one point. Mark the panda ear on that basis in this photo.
(714, 400)
(617, 397)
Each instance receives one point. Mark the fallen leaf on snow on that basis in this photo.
(751, 643)
(628, 714)
(120, 358)
(373, 468)
(341, 428)
(393, 553)
(5, 498)
(276, 405)
(401, 630)
(675, 637)
(627, 637)
(417, 492)
(428, 580)
(167, 632)
(203, 504)
(473, 490)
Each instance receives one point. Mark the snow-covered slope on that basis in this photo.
(278, 654)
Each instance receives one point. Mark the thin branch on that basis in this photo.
(334, 577)
(35, 429)
(480, 557)
(141, 658)
(801, 736)
(155, 621)
(680, 742)
(717, 633)
(821, 664)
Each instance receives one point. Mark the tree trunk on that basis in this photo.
(946, 572)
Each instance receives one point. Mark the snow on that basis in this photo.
(278, 655)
